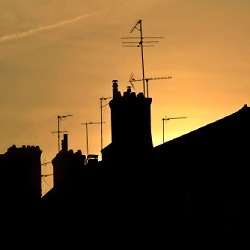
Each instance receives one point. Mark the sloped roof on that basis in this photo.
(235, 125)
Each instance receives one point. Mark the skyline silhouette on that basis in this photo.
(116, 171)
(195, 185)
(67, 69)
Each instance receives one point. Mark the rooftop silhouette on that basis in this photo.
(195, 185)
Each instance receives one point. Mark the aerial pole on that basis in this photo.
(59, 118)
(58, 132)
(140, 44)
(167, 119)
(101, 106)
(87, 140)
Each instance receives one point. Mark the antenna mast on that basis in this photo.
(167, 119)
(87, 140)
(59, 118)
(140, 44)
(101, 106)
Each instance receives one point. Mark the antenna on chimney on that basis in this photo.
(140, 44)
(150, 78)
(59, 118)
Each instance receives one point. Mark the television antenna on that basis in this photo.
(87, 140)
(101, 106)
(141, 43)
(167, 119)
(147, 79)
(60, 118)
(131, 80)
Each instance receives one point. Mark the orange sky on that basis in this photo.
(60, 57)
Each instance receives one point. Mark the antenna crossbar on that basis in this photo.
(167, 119)
(87, 141)
(141, 43)
(136, 37)
(147, 79)
(60, 118)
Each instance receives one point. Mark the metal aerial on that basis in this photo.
(101, 106)
(141, 43)
(147, 79)
(167, 119)
(60, 118)
(87, 140)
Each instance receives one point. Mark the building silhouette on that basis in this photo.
(206, 171)
(131, 138)
(21, 177)
(194, 186)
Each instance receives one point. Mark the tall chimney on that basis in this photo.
(115, 88)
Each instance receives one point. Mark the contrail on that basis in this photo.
(44, 28)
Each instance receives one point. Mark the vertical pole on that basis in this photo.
(101, 123)
(147, 86)
(58, 133)
(141, 42)
(163, 128)
(87, 143)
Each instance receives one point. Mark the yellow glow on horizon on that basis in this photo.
(60, 59)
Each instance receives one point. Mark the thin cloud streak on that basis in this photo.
(48, 27)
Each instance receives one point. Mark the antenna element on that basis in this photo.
(140, 43)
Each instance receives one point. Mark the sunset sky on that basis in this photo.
(59, 57)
